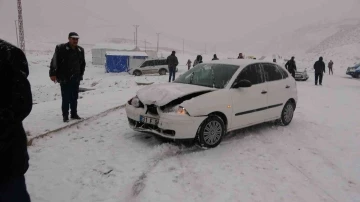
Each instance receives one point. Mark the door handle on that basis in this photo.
(263, 92)
(287, 86)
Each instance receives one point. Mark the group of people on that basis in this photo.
(67, 68)
(319, 68)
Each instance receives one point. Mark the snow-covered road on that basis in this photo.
(315, 158)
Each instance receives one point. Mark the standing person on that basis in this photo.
(215, 57)
(67, 68)
(291, 66)
(172, 62)
(241, 56)
(198, 60)
(319, 67)
(330, 65)
(15, 106)
(188, 63)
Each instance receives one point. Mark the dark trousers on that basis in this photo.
(70, 94)
(14, 190)
(318, 77)
(172, 71)
(330, 70)
(292, 72)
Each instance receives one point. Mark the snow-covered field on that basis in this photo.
(315, 158)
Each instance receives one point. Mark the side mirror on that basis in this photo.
(242, 84)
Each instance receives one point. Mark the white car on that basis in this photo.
(211, 99)
(151, 67)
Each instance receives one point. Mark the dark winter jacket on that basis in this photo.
(330, 65)
(319, 66)
(172, 61)
(15, 106)
(290, 65)
(67, 62)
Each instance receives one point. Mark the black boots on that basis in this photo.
(75, 116)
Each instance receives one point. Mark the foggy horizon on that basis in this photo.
(225, 24)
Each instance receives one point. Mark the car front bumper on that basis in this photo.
(170, 126)
(299, 76)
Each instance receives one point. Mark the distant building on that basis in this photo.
(122, 61)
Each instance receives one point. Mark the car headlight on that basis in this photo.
(135, 102)
(182, 110)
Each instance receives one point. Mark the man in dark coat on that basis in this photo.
(15, 106)
(67, 67)
(241, 56)
(319, 67)
(172, 63)
(291, 66)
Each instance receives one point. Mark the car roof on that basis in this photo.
(238, 62)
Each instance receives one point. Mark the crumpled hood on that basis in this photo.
(162, 94)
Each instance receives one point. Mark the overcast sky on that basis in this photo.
(224, 23)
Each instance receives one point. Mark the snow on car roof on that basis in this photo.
(127, 53)
(238, 62)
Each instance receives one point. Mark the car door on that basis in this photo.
(146, 67)
(249, 104)
(155, 67)
(277, 90)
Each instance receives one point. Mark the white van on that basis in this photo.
(152, 66)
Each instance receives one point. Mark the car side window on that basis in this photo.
(145, 64)
(151, 63)
(283, 72)
(272, 72)
(253, 73)
(163, 62)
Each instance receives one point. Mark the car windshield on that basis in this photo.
(209, 75)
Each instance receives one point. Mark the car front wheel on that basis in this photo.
(211, 132)
(287, 113)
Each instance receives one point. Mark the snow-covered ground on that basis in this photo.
(315, 158)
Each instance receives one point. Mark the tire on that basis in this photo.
(137, 73)
(355, 75)
(287, 114)
(211, 131)
(162, 71)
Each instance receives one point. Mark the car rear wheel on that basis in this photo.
(287, 114)
(162, 71)
(137, 73)
(211, 131)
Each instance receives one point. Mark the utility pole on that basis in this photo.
(145, 45)
(183, 46)
(157, 48)
(136, 38)
(17, 36)
(21, 27)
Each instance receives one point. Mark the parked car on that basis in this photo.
(152, 66)
(354, 71)
(301, 76)
(214, 98)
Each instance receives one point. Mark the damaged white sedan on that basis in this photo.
(211, 99)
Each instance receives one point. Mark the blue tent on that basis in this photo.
(121, 61)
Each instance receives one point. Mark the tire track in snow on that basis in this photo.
(86, 120)
(170, 151)
(262, 138)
